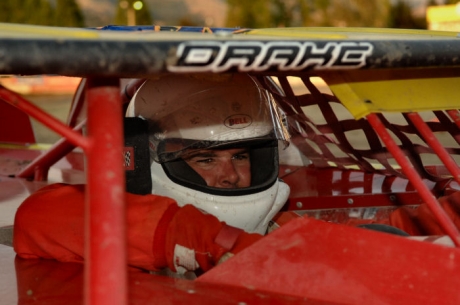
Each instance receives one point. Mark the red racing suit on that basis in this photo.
(49, 224)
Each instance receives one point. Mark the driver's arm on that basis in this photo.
(50, 224)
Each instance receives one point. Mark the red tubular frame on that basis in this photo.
(105, 257)
(38, 169)
(433, 142)
(455, 116)
(105, 267)
(77, 103)
(18, 101)
(444, 220)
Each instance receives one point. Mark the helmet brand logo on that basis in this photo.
(238, 121)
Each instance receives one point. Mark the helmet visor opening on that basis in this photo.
(173, 149)
(263, 168)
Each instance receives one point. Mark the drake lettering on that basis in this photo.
(245, 56)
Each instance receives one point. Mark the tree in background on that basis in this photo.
(41, 12)
(324, 13)
(289, 13)
(6, 9)
(68, 13)
(317, 13)
(402, 17)
(250, 14)
(142, 16)
(24, 11)
(360, 13)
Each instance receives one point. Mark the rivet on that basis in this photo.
(299, 204)
(350, 201)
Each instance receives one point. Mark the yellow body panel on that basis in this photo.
(364, 92)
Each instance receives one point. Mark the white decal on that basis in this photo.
(184, 259)
(244, 56)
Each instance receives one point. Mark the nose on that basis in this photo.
(228, 176)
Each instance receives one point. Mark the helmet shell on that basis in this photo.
(210, 111)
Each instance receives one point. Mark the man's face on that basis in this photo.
(229, 168)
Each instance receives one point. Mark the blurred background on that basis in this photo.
(54, 94)
(414, 14)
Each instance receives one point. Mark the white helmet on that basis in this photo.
(216, 111)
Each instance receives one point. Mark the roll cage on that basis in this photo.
(351, 66)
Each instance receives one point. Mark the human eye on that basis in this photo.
(243, 156)
(203, 160)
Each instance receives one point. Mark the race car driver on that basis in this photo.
(213, 146)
